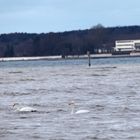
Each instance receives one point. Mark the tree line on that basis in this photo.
(98, 39)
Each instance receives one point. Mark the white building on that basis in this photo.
(127, 45)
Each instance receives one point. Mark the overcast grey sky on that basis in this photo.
(36, 16)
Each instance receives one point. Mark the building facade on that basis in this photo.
(127, 45)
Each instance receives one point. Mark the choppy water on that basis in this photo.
(110, 89)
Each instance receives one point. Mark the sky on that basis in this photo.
(43, 16)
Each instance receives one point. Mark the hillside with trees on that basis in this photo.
(65, 43)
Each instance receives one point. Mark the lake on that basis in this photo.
(109, 89)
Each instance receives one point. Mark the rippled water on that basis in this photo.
(110, 89)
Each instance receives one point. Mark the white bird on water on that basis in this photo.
(72, 104)
(23, 109)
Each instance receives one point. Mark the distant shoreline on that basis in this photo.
(93, 56)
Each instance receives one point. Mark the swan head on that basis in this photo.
(15, 104)
(72, 103)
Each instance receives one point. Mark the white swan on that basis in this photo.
(72, 104)
(23, 109)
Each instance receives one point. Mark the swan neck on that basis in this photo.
(72, 109)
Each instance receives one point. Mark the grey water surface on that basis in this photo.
(109, 89)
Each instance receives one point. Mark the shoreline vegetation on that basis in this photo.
(96, 40)
(59, 57)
